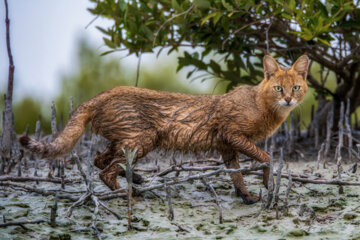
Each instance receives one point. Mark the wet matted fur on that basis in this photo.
(144, 119)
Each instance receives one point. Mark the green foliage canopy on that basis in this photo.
(236, 30)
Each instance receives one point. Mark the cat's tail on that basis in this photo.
(66, 140)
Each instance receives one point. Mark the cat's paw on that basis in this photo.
(251, 199)
(137, 179)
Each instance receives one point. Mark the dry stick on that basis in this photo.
(77, 203)
(12, 163)
(354, 166)
(278, 182)
(19, 223)
(61, 123)
(26, 134)
(291, 133)
(110, 210)
(71, 107)
(129, 156)
(273, 143)
(85, 196)
(177, 167)
(62, 173)
(287, 193)
(271, 181)
(6, 143)
(322, 147)
(168, 197)
(267, 36)
(37, 179)
(53, 212)
(37, 137)
(310, 128)
(37, 190)
(88, 194)
(286, 130)
(94, 216)
(340, 145)
(313, 181)
(316, 131)
(138, 70)
(213, 192)
(329, 125)
(348, 128)
(53, 133)
(53, 120)
(19, 163)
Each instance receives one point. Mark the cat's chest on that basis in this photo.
(265, 126)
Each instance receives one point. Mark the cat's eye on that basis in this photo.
(278, 88)
(296, 88)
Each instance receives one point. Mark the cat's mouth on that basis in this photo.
(286, 103)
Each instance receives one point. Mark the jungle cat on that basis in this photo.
(131, 117)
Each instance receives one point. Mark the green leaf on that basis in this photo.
(123, 166)
(214, 66)
(202, 4)
(227, 5)
(324, 41)
(175, 5)
(103, 31)
(109, 43)
(107, 52)
(208, 17)
(217, 17)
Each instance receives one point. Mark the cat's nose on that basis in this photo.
(288, 99)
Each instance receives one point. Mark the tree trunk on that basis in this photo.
(7, 136)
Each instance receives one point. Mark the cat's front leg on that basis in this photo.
(231, 162)
(244, 146)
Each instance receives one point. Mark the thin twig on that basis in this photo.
(329, 125)
(278, 182)
(53, 212)
(271, 181)
(168, 197)
(213, 192)
(138, 70)
(267, 36)
(322, 147)
(169, 20)
(21, 223)
(94, 217)
(287, 192)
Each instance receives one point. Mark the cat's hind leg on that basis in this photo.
(105, 159)
(109, 174)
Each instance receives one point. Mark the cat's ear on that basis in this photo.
(270, 66)
(301, 66)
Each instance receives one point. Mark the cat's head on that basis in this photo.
(285, 88)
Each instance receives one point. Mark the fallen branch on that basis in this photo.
(37, 179)
(21, 223)
(313, 181)
(112, 195)
(213, 192)
(38, 190)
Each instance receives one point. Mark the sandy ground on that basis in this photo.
(328, 214)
